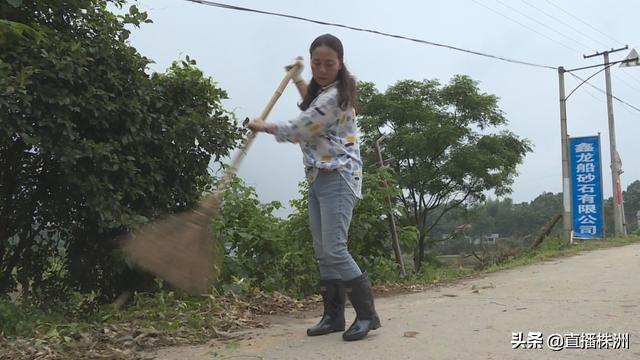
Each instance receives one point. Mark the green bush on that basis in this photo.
(14, 319)
(92, 145)
(260, 249)
(263, 251)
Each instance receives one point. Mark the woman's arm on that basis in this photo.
(310, 123)
(259, 125)
(301, 85)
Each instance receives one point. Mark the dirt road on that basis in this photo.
(594, 292)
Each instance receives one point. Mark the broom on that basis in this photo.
(179, 248)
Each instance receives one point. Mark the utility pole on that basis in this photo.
(566, 172)
(392, 222)
(616, 164)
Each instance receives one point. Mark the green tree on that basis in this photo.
(515, 220)
(544, 207)
(440, 145)
(91, 144)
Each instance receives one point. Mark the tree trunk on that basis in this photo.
(418, 257)
(546, 229)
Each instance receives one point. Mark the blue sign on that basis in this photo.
(586, 189)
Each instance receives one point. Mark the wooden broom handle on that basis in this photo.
(242, 152)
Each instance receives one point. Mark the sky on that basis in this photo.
(245, 54)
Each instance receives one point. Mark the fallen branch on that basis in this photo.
(546, 229)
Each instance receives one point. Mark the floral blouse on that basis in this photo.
(328, 137)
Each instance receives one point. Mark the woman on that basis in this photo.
(327, 133)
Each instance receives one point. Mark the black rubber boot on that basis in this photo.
(334, 298)
(361, 297)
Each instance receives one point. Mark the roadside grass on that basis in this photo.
(450, 268)
(165, 318)
(556, 247)
(169, 318)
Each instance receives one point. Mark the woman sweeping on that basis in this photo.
(328, 136)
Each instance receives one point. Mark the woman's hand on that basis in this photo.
(259, 125)
(297, 75)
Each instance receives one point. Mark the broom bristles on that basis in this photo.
(178, 248)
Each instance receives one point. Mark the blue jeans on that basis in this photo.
(331, 203)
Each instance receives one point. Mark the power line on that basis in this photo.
(577, 31)
(592, 75)
(632, 76)
(238, 8)
(541, 23)
(582, 21)
(586, 80)
(623, 80)
(610, 64)
(525, 26)
(603, 91)
(599, 99)
(629, 84)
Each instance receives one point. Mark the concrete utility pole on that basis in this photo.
(616, 164)
(566, 172)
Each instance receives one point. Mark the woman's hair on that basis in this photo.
(346, 82)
